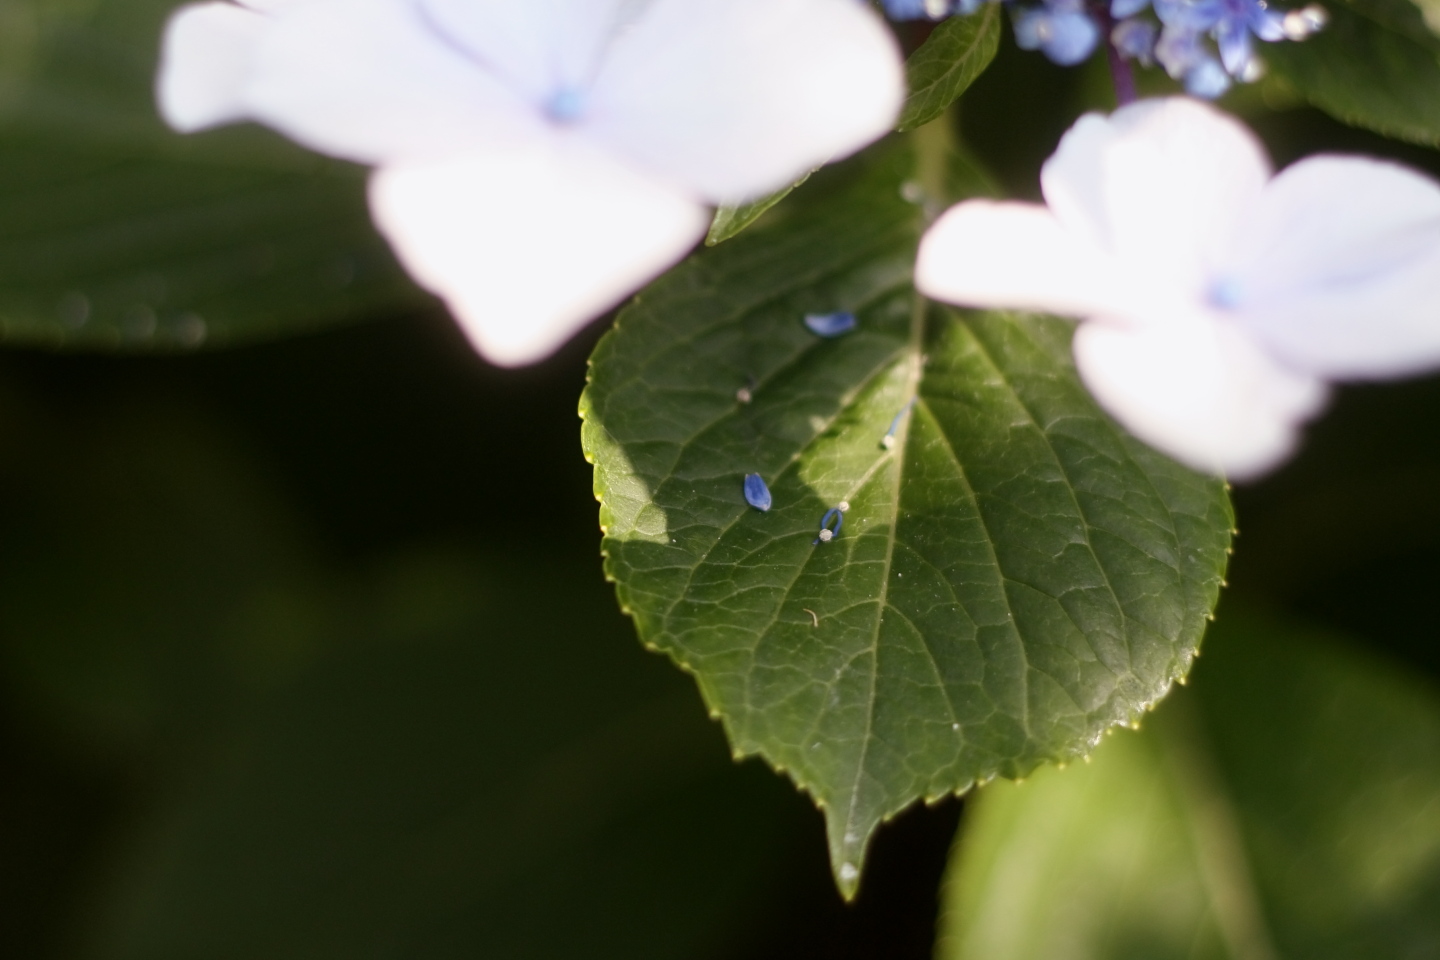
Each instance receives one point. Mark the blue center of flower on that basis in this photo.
(566, 105)
(1225, 293)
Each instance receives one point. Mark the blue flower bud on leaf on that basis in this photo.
(830, 325)
(756, 493)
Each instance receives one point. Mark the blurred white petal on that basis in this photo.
(1338, 269)
(1202, 392)
(369, 80)
(1016, 256)
(1214, 299)
(540, 159)
(737, 98)
(1161, 184)
(527, 244)
(206, 59)
(536, 46)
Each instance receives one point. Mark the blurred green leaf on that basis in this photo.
(470, 761)
(957, 52)
(1430, 12)
(1284, 806)
(116, 233)
(1375, 65)
(1013, 577)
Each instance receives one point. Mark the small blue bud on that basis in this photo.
(1073, 37)
(1135, 39)
(756, 493)
(1180, 50)
(1120, 9)
(1233, 39)
(1207, 80)
(1030, 28)
(1197, 16)
(917, 9)
(1269, 25)
(1066, 36)
(830, 324)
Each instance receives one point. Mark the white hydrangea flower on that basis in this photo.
(1215, 299)
(537, 160)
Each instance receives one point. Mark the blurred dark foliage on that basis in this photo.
(186, 538)
(214, 571)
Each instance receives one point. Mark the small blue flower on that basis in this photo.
(1207, 80)
(1232, 23)
(829, 325)
(756, 493)
(918, 9)
(1135, 38)
(1184, 55)
(1061, 30)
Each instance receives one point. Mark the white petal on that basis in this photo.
(736, 98)
(1338, 271)
(540, 47)
(1017, 256)
(206, 58)
(373, 81)
(1161, 184)
(526, 245)
(1202, 392)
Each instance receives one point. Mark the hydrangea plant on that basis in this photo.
(776, 451)
(925, 486)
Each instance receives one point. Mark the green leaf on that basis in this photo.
(729, 221)
(947, 63)
(1013, 577)
(1376, 65)
(1284, 806)
(117, 233)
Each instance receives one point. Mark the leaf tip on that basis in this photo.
(847, 878)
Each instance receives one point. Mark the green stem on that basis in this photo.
(935, 147)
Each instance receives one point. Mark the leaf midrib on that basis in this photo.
(914, 347)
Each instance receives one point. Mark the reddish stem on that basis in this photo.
(1121, 74)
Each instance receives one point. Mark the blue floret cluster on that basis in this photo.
(1205, 44)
